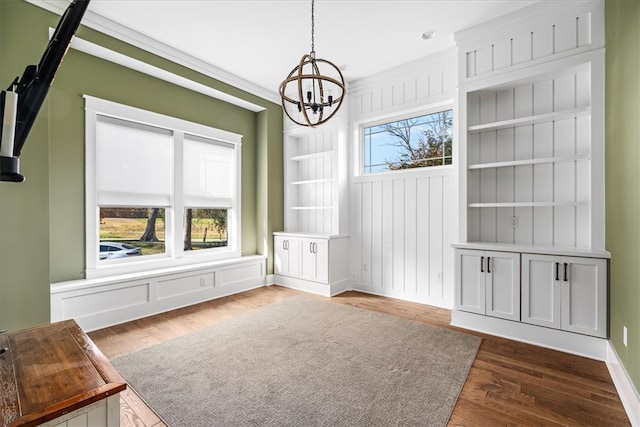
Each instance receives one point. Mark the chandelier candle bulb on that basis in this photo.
(9, 123)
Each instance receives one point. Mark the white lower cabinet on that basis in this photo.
(488, 283)
(567, 293)
(311, 262)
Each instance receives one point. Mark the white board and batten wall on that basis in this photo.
(404, 222)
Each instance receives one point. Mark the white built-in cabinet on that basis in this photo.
(489, 283)
(567, 293)
(312, 263)
(312, 252)
(531, 176)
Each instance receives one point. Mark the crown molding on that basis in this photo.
(151, 70)
(141, 41)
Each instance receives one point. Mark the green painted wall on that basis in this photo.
(270, 170)
(623, 176)
(42, 221)
(24, 208)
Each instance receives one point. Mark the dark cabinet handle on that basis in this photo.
(481, 264)
(488, 264)
(557, 267)
(566, 266)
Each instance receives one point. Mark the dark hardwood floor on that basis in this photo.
(510, 383)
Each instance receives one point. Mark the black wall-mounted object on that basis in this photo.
(33, 86)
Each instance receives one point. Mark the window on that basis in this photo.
(160, 191)
(415, 142)
(205, 228)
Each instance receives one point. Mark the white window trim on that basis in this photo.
(358, 157)
(175, 255)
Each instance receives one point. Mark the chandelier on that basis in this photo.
(314, 90)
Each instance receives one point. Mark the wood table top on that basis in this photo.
(49, 371)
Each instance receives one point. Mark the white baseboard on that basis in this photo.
(626, 390)
(568, 342)
(270, 279)
(405, 296)
(313, 287)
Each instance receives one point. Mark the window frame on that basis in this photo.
(174, 255)
(359, 164)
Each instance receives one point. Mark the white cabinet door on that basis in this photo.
(584, 296)
(541, 290)
(308, 259)
(502, 285)
(286, 252)
(322, 261)
(315, 260)
(470, 281)
(568, 293)
(488, 283)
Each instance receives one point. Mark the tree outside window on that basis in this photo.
(416, 142)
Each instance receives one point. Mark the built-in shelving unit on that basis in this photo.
(529, 138)
(531, 263)
(311, 252)
(315, 179)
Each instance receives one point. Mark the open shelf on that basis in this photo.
(311, 156)
(525, 204)
(527, 162)
(311, 181)
(309, 208)
(528, 120)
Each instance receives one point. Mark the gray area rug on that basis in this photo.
(305, 362)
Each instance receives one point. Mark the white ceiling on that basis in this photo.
(262, 40)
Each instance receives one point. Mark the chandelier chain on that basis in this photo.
(312, 28)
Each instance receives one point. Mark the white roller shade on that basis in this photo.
(208, 173)
(133, 164)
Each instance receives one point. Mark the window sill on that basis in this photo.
(407, 173)
(147, 269)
